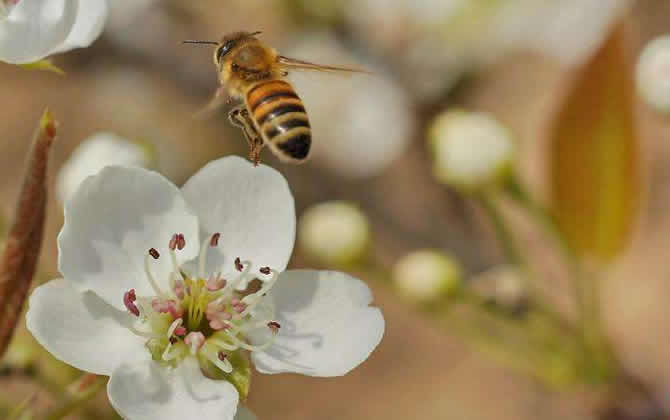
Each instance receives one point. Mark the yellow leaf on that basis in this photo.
(595, 167)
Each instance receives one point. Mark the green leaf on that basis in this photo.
(44, 65)
(595, 167)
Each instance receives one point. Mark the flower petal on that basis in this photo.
(252, 208)
(100, 150)
(88, 26)
(112, 221)
(327, 327)
(150, 391)
(81, 329)
(34, 28)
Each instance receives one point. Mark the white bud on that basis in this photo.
(501, 284)
(93, 154)
(426, 275)
(471, 150)
(653, 74)
(335, 232)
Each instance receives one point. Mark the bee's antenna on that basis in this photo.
(255, 33)
(192, 41)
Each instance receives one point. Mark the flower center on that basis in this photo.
(201, 316)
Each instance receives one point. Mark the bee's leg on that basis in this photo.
(239, 117)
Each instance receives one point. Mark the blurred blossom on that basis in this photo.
(653, 74)
(149, 302)
(93, 154)
(471, 150)
(360, 123)
(427, 275)
(22, 352)
(502, 285)
(432, 42)
(33, 29)
(336, 233)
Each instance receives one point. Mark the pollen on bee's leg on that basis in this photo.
(129, 299)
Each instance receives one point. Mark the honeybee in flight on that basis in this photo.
(272, 113)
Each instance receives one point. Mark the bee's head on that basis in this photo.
(229, 42)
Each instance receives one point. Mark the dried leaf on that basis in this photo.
(595, 156)
(24, 240)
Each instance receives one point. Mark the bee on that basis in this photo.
(271, 114)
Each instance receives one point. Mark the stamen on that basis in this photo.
(274, 326)
(215, 282)
(254, 298)
(150, 277)
(222, 356)
(154, 253)
(181, 241)
(194, 340)
(246, 346)
(129, 299)
(175, 242)
(166, 354)
(180, 331)
(211, 241)
(213, 356)
(238, 264)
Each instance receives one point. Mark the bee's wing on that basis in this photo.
(219, 99)
(288, 63)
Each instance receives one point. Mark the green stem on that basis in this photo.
(79, 400)
(586, 292)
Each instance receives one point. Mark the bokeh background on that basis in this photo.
(551, 71)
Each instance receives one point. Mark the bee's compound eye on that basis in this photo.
(224, 49)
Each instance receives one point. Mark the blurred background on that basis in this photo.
(501, 182)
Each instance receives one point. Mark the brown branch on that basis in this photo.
(19, 260)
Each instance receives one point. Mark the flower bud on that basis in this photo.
(502, 285)
(427, 275)
(471, 150)
(653, 74)
(93, 154)
(335, 232)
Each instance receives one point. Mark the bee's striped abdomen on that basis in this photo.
(280, 118)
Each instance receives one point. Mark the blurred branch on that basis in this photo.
(83, 389)
(19, 260)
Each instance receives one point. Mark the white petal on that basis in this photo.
(88, 26)
(150, 391)
(93, 154)
(34, 28)
(112, 221)
(252, 208)
(81, 329)
(327, 327)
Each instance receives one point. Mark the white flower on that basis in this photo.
(426, 275)
(653, 73)
(335, 232)
(93, 154)
(145, 302)
(471, 150)
(33, 29)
